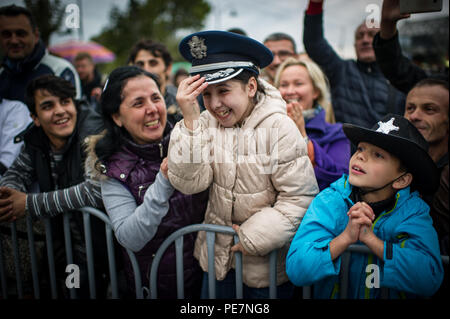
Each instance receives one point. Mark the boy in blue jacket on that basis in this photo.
(377, 204)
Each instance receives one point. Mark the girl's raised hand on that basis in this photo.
(188, 90)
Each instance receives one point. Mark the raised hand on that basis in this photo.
(294, 111)
(188, 90)
(390, 14)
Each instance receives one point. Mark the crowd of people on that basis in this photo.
(303, 153)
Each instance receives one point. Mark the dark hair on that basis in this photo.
(14, 11)
(278, 36)
(157, 49)
(180, 71)
(237, 31)
(83, 55)
(244, 77)
(51, 83)
(433, 81)
(110, 101)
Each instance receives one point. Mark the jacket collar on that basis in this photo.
(29, 62)
(124, 161)
(317, 123)
(343, 187)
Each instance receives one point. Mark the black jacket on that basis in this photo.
(398, 69)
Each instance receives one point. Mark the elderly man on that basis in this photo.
(361, 94)
(25, 55)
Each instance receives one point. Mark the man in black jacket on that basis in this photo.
(53, 158)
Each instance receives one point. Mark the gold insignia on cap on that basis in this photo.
(198, 47)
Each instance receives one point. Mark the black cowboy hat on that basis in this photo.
(396, 135)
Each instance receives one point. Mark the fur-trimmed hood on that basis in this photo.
(91, 167)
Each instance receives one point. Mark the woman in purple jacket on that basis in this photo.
(304, 87)
(143, 206)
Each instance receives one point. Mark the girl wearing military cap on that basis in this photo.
(248, 152)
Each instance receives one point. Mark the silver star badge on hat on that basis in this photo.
(198, 47)
(387, 127)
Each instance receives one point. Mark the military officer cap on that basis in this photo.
(220, 56)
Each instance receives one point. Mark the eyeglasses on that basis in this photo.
(283, 54)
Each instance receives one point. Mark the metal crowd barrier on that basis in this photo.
(210, 229)
(87, 213)
(176, 237)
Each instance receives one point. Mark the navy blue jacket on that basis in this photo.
(15, 75)
(359, 91)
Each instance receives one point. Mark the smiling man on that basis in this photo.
(427, 109)
(25, 55)
(53, 157)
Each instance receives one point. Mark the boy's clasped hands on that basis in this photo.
(359, 227)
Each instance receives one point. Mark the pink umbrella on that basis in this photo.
(70, 49)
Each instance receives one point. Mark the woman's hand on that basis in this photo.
(295, 112)
(188, 90)
(165, 167)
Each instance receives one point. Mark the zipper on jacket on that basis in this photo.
(371, 256)
(161, 153)
(140, 189)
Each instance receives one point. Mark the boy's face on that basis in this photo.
(57, 116)
(372, 167)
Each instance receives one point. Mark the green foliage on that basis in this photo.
(48, 15)
(152, 19)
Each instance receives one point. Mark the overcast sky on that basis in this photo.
(258, 18)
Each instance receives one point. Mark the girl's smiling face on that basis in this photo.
(230, 102)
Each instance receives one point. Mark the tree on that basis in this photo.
(48, 15)
(152, 19)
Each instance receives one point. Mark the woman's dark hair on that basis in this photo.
(244, 77)
(110, 101)
(53, 84)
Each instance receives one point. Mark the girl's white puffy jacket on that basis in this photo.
(260, 178)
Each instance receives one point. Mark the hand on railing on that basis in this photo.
(12, 204)
(238, 246)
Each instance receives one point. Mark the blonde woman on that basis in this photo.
(304, 87)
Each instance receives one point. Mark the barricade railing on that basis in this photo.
(87, 212)
(211, 230)
(175, 238)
